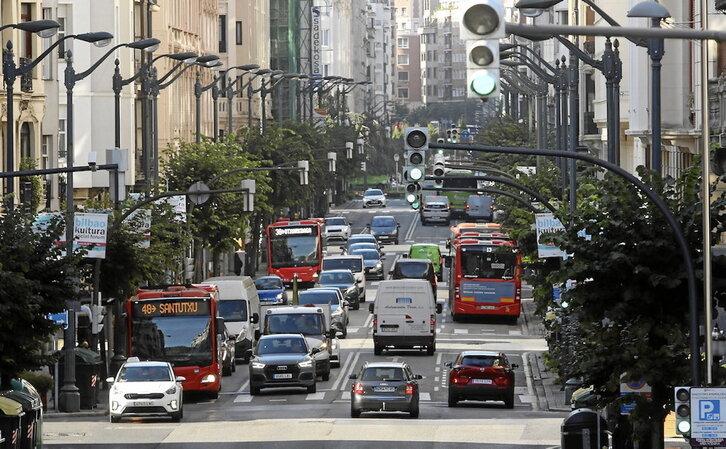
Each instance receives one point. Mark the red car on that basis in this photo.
(481, 375)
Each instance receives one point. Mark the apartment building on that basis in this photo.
(409, 17)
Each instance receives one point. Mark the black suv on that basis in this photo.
(415, 269)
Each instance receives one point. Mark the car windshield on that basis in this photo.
(423, 252)
(308, 297)
(412, 270)
(337, 221)
(390, 374)
(374, 192)
(343, 264)
(282, 346)
(336, 278)
(383, 222)
(268, 283)
(145, 374)
(361, 239)
(482, 361)
(368, 254)
(296, 323)
(233, 310)
(362, 245)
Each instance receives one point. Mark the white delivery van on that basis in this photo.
(404, 316)
(239, 305)
(355, 264)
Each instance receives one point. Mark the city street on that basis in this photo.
(293, 418)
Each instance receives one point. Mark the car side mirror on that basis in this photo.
(346, 303)
(514, 365)
(439, 308)
(255, 318)
(383, 257)
(231, 337)
(257, 334)
(180, 379)
(248, 354)
(417, 376)
(447, 261)
(404, 256)
(353, 376)
(314, 350)
(109, 380)
(370, 307)
(449, 364)
(332, 333)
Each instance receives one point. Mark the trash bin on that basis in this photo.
(11, 413)
(26, 387)
(585, 429)
(88, 371)
(571, 385)
(29, 421)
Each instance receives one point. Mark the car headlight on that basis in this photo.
(258, 365)
(338, 311)
(209, 378)
(379, 266)
(324, 346)
(305, 364)
(279, 296)
(115, 405)
(171, 390)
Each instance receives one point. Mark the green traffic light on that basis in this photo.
(415, 205)
(415, 174)
(483, 84)
(411, 198)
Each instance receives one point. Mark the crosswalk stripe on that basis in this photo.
(315, 396)
(424, 396)
(243, 398)
(345, 396)
(461, 331)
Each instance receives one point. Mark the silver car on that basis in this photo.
(282, 360)
(435, 208)
(374, 197)
(332, 297)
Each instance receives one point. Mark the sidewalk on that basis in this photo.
(101, 409)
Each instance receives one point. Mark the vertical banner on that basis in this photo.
(90, 231)
(315, 38)
(545, 223)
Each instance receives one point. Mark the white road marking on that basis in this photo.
(315, 396)
(345, 396)
(461, 331)
(244, 398)
(353, 329)
(278, 400)
(424, 396)
(368, 321)
(436, 388)
(244, 386)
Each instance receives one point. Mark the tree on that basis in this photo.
(35, 281)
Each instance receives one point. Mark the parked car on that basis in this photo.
(342, 280)
(373, 262)
(385, 228)
(333, 298)
(415, 269)
(336, 228)
(145, 389)
(374, 197)
(271, 290)
(283, 360)
(479, 207)
(435, 208)
(481, 375)
(386, 387)
(430, 251)
(227, 352)
(360, 238)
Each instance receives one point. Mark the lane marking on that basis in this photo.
(345, 396)
(244, 386)
(315, 396)
(343, 368)
(278, 400)
(369, 321)
(243, 398)
(424, 396)
(461, 331)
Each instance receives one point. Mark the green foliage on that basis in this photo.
(36, 184)
(34, 281)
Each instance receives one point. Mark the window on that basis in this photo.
(404, 11)
(402, 76)
(223, 34)
(238, 32)
(61, 35)
(26, 42)
(46, 147)
(326, 38)
(402, 42)
(402, 93)
(47, 64)
(402, 59)
(61, 142)
(563, 17)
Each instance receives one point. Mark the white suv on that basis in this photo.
(374, 197)
(145, 389)
(336, 228)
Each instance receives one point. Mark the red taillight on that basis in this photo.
(410, 388)
(375, 319)
(468, 207)
(432, 321)
(358, 388)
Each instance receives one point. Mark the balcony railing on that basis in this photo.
(26, 79)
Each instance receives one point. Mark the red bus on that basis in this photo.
(295, 247)
(485, 278)
(177, 324)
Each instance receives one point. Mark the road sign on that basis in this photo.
(640, 387)
(198, 193)
(60, 319)
(708, 416)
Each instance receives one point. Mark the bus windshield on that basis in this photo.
(479, 263)
(294, 251)
(182, 340)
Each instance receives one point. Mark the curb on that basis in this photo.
(82, 414)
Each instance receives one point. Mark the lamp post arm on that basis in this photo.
(172, 71)
(532, 65)
(581, 55)
(174, 78)
(27, 68)
(639, 42)
(80, 76)
(516, 78)
(539, 58)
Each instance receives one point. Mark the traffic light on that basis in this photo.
(413, 194)
(439, 169)
(416, 143)
(683, 411)
(482, 25)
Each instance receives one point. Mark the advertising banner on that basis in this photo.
(90, 232)
(315, 38)
(487, 292)
(546, 222)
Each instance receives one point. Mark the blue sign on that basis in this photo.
(60, 319)
(709, 410)
(488, 292)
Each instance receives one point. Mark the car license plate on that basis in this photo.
(481, 381)
(142, 403)
(282, 376)
(389, 327)
(487, 307)
(384, 389)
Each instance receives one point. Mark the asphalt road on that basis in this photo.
(291, 418)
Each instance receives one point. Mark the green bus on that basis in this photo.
(457, 199)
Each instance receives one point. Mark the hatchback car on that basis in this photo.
(373, 262)
(271, 290)
(374, 197)
(384, 387)
(481, 375)
(435, 208)
(333, 298)
(336, 228)
(360, 238)
(342, 280)
(282, 360)
(145, 389)
(415, 269)
(430, 251)
(385, 229)
(363, 245)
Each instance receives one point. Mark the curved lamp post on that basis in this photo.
(43, 28)
(251, 91)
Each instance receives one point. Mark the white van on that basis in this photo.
(239, 305)
(404, 316)
(355, 264)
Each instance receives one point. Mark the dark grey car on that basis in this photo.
(384, 387)
(342, 280)
(282, 360)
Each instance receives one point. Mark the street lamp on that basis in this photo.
(656, 48)
(250, 92)
(43, 28)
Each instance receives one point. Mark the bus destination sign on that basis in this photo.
(293, 231)
(151, 308)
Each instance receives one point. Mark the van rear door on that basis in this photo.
(404, 315)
